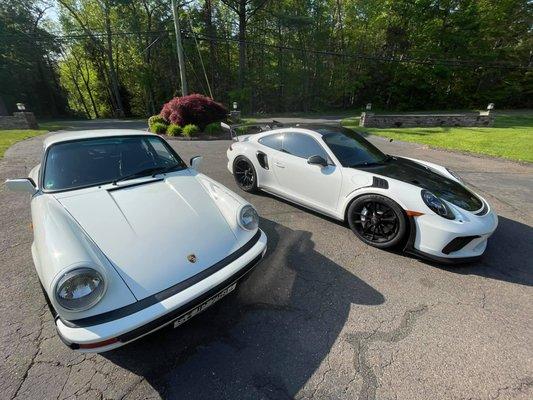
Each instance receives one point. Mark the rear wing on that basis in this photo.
(251, 128)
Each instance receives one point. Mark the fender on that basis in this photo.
(60, 245)
(409, 199)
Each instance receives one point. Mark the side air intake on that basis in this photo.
(380, 183)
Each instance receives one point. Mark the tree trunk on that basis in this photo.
(242, 43)
(111, 62)
(211, 35)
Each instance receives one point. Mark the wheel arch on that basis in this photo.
(370, 191)
(251, 160)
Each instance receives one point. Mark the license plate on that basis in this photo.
(206, 304)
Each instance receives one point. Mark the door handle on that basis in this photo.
(277, 164)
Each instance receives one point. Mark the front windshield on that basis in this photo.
(351, 149)
(90, 162)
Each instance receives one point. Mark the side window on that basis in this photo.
(301, 145)
(272, 141)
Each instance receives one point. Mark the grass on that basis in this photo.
(12, 136)
(511, 136)
(8, 137)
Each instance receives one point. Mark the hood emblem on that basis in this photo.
(191, 258)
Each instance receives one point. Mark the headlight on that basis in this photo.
(80, 289)
(437, 205)
(455, 175)
(248, 218)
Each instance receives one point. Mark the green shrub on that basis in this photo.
(155, 119)
(190, 130)
(174, 130)
(159, 128)
(213, 128)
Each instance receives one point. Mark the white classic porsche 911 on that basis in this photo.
(386, 200)
(128, 239)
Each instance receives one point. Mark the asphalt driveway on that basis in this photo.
(324, 316)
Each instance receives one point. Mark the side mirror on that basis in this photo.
(317, 160)
(23, 185)
(195, 162)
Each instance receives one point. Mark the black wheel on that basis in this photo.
(244, 173)
(377, 221)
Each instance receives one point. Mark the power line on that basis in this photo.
(218, 39)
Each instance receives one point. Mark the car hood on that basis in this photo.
(148, 229)
(419, 175)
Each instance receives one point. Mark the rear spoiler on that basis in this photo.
(260, 127)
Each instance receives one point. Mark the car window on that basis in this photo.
(89, 162)
(301, 145)
(351, 149)
(272, 141)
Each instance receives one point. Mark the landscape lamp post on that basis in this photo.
(21, 107)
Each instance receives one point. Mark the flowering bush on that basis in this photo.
(193, 109)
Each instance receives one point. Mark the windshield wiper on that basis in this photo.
(372, 163)
(164, 170)
(138, 174)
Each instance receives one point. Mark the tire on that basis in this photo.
(244, 174)
(377, 221)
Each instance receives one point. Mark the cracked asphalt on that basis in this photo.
(324, 316)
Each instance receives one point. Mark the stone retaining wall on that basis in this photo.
(371, 120)
(19, 120)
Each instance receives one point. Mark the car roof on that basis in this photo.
(317, 130)
(89, 134)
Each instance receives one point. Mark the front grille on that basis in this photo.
(458, 243)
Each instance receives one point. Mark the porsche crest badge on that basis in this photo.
(191, 258)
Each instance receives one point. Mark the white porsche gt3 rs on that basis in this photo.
(128, 239)
(386, 200)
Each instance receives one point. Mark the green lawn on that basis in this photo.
(12, 136)
(511, 136)
(9, 137)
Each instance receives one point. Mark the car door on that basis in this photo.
(315, 186)
(269, 145)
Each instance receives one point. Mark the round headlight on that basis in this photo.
(80, 289)
(437, 205)
(248, 218)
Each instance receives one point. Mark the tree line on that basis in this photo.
(101, 58)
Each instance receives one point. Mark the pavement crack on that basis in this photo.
(361, 341)
(39, 340)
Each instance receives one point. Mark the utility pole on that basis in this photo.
(179, 46)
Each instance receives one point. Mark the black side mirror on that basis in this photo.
(317, 160)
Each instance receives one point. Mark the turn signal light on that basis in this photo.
(98, 344)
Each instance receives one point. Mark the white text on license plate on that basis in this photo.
(206, 304)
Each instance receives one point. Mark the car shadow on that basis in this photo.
(509, 254)
(267, 340)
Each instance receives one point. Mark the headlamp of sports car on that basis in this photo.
(80, 289)
(455, 175)
(437, 205)
(248, 218)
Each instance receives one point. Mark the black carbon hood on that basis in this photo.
(416, 174)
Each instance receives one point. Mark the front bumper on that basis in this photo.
(450, 241)
(113, 333)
